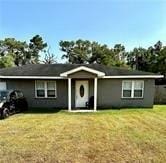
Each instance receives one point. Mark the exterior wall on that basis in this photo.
(28, 88)
(110, 92)
(160, 94)
(82, 75)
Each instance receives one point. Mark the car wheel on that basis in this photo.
(5, 113)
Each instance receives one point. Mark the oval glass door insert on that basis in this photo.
(81, 90)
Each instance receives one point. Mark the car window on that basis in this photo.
(4, 94)
(19, 94)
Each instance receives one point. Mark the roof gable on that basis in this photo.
(83, 68)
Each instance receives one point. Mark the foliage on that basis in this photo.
(152, 59)
(75, 52)
(21, 52)
(6, 61)
(36, 45)
(138, 58)
(16, 53)
(84, 51)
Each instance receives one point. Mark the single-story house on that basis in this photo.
(71, 85)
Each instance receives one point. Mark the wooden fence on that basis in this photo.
(160, 94)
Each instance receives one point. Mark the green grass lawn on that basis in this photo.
(127, 135)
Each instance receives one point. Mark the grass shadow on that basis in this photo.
(42, 110)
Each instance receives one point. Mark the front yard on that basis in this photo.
(127, 135)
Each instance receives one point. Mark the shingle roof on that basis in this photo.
(57, 69)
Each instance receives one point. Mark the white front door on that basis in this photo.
(81, 93)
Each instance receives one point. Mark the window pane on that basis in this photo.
(40, 93)
(138, 85)
(127, 85)
(137, 93)
(51, 85)
(126, 93)
(40, 85)
(51, 93)
(81, 90)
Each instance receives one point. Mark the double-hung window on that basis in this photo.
(51, 89)
(132, 88)
(127, 89)
(45, 89)
(138, 89)
(40, 89)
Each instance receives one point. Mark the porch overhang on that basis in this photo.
(83, 68)
(70, 95)
(67, 74)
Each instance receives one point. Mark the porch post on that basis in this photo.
(69, 94)
(95, 94)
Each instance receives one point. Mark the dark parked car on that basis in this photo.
(12, 102)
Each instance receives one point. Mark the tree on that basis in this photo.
(120, 55)
(67, 48)
(161, 61)
(14, 48)
(36, 45)
(84, 51)
(152, 59)
(21, 52)
(138, 59)
(154, 56)
(119, 51)
(6, 61)
(99, 53)
(49, 57)
(75, 52)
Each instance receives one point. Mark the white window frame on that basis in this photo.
(132, 88)
(45, 88)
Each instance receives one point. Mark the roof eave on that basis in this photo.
(31, 77)
(133, 76)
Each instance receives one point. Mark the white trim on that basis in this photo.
(69, 94)
(95, 94)
(99, 73)
(134, 76)
(132, 89)
(32, 77)
(45, 90)
(82, 111)
(63, 77)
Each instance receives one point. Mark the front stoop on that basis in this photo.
(82, 111)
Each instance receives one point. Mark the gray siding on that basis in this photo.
(109, 93)
(28, 88)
